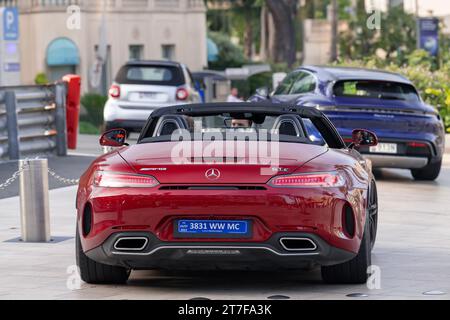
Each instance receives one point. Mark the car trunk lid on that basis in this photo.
(384, 118)
(230, 168)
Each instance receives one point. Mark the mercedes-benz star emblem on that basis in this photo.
(212, 174)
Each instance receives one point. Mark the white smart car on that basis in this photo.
(143, 86)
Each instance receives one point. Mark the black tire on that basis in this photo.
(429, 173)
(97, 273)
(373, 213)
(353, 271)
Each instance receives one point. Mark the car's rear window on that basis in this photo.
(376, 90)
(236, 126)
(154, 75)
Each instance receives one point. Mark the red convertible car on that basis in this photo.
(229, 186)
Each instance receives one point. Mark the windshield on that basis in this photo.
(375, 90)
(298, 82)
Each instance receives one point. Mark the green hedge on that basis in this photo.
(94, 105)
(89, 128)
(41, 78)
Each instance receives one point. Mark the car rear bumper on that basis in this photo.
(270, 211)
(270, 254)
(400, 162)
(408, 157)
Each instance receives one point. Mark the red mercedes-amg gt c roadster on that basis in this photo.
(229, 186)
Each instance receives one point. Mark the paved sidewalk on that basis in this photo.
(36, 271)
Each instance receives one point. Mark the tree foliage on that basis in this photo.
(398, 33)
(284, 13)
(230, 55)
(396, 36)
(241, 20)
(246, 19)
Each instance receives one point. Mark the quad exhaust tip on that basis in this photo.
(131, 244)
(298, 244)
(289, 244)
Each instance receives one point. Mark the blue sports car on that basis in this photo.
(411, 133)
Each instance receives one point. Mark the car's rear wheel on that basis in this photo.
(98, 273)
(355, 270)
(429, 173)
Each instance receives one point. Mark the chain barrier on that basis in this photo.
(62, 179)
(52, 173)
(13, 178)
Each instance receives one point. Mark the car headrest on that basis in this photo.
(168, 124)
(288, 125)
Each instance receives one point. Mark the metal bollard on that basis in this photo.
(34, 204)
(209, 92)
(12, 125)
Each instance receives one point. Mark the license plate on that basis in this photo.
(384, 148)
(213, 228)
(147, 96)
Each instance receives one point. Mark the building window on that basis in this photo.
(136, 52)
(168, 51)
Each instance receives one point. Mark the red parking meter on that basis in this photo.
(72, 108)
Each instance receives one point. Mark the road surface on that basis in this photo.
(412, 254)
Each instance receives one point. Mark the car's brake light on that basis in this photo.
(114, 91)
(417, 145)
(123, 180)
(326, 180)
(182, 94)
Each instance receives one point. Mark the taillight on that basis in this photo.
(309, 180)
(123, 180)
(114, 91)
(182, 94)
(417, 145)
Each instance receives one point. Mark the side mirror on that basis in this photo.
(263, 92)
(362, 137)
(114, 138)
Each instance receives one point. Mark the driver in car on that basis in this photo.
(241, 123)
